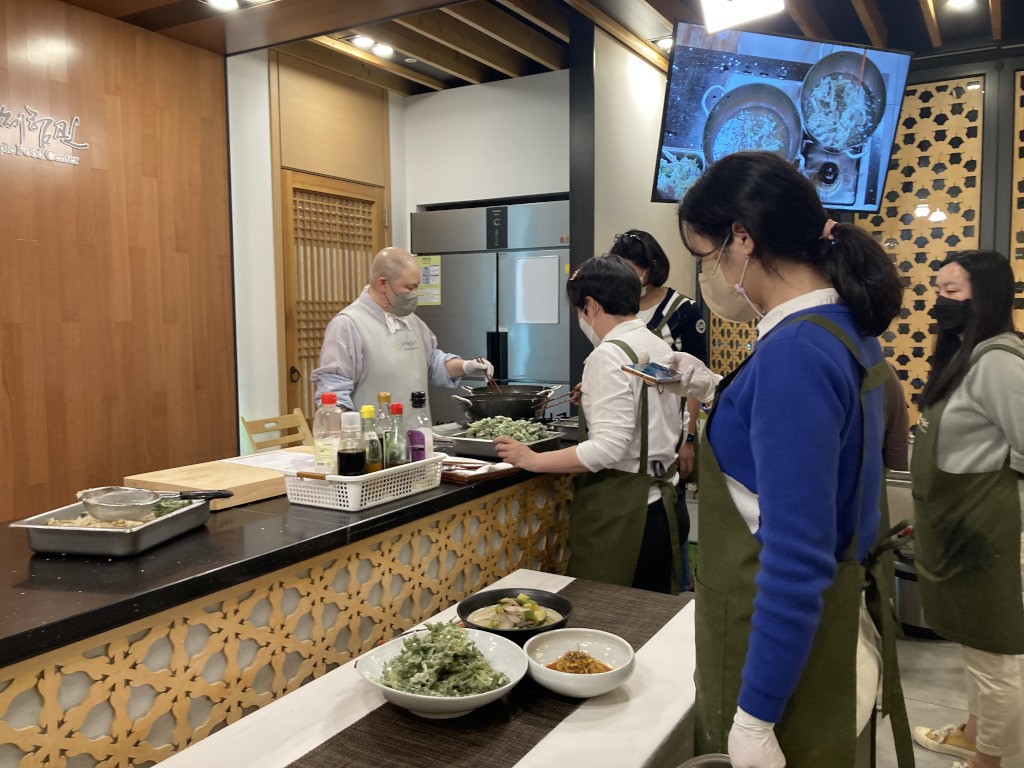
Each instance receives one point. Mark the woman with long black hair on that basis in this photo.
(966, 468)
(791, 470)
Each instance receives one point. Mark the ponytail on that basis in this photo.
(863, 275)
(781, 210)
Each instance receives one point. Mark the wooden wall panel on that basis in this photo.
(116, 316)
(332, 124)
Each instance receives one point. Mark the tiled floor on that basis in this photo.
(933, 686)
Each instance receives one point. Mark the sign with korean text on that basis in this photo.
(27, 132)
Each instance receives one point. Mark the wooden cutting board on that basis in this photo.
(247, 483)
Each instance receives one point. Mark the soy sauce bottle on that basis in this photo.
(351, 449)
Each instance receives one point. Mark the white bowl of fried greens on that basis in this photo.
(444, 670)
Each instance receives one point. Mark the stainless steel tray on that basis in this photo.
(474, 446)
(109, 542)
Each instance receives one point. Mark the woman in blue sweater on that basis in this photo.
(788, 657)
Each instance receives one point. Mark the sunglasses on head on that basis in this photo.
(628, 237)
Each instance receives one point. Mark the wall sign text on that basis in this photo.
(40, 137)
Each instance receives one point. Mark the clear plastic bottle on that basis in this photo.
(351, 449)
(396, 444)
(374, 451)
(327, 434)
(383, 421)
(420, 433)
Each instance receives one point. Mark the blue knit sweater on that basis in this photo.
(788, 428)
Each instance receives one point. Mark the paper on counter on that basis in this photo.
(458, 466)
(278, 460)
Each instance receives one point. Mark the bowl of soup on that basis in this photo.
(517, 614)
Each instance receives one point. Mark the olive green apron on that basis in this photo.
(818, 727)
(608, 513)
(967, 551)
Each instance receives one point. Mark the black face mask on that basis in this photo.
(950, 314)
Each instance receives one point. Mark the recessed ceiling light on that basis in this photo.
(384, 51)
(362, 41)
(960, 5)
(223, 5)
(410, 61)
(664, 43)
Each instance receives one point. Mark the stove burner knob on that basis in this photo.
(828, 173)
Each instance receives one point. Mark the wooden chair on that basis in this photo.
(279, 424)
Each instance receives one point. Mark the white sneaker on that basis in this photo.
(949, 740)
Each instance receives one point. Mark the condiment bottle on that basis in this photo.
(396, 443)
(420, 433)
(351, 449)
(327, 434)
(374, 451)
(383, 421)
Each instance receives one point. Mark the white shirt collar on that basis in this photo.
(622, 328)
(816, 298)
(396, 323)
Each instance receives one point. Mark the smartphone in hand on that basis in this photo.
(652, 373)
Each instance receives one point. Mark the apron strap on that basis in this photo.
(674, 300)
(643, 410)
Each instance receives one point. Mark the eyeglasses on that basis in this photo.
(628, 237)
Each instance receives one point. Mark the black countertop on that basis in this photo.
(48, 601)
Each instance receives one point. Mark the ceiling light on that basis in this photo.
(664, 43)
(410, 60)
(223, 5)
(725, 14)
(384, 51)
(937, 216)
(922, 209)
(960, 5)
(362, 41)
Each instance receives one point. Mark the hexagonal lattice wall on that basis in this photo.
(936, 164)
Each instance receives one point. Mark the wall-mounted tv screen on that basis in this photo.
(828, 108)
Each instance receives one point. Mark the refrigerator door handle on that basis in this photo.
(497, 353)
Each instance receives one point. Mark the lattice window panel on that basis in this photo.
(1017, 212)
(936, 163)
(729, 344)
(134, 696)
(332, 238)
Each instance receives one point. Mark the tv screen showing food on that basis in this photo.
(828, 108)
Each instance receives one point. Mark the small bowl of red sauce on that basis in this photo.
(579, 662)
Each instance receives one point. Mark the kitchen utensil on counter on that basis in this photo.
(116, 502)
(858, 69)
(101, 541)
(515, 406)
(757, 99)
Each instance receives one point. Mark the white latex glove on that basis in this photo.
(752, 742)
(698, 380)
(478, 367)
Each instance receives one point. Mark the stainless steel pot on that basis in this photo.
(756, 98)
(514, 389)
(489, 405)
(860, 69)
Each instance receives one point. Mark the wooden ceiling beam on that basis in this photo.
(437, 56)
(671, 11)
(995, 14)
(553, 18)
(872, 21)
(466, 40)
(620, 33)
(808, 19)
(360, 70)
(346, 49)
(931, 22)
(508, 30)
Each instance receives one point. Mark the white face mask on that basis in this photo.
(403, 304)
(729, 302)
(588, 331)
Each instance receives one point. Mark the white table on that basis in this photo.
(647, 722)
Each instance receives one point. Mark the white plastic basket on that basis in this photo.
(362, 491)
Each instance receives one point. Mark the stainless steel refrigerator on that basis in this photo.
(493, 285)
